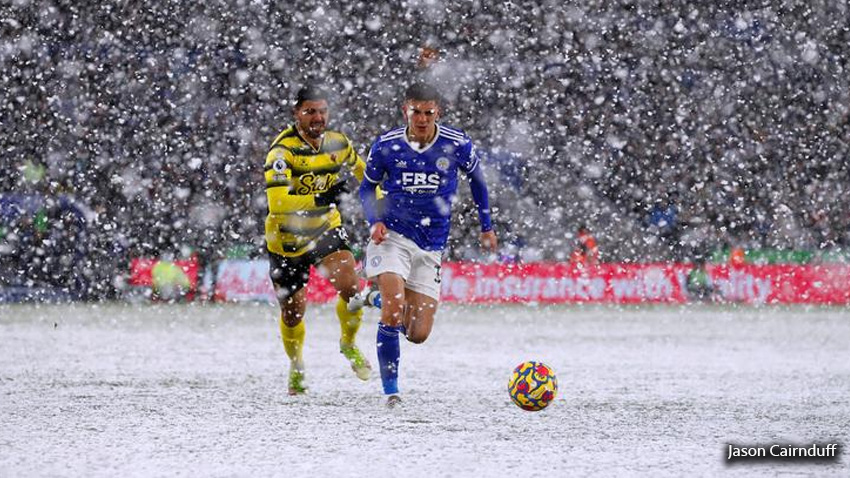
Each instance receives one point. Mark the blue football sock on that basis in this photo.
(389, 355)
(373, 298)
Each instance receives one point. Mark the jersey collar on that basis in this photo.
(303, 139)
(424, 148)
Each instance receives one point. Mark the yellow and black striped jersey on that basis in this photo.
(295, 172)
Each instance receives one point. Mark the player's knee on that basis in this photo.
(391, 319)
(346, 284)
(291, 313)
(417, 337)
(347, 289)
(291, 320)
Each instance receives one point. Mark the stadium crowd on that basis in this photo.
(670, 128)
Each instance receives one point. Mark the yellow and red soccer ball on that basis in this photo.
(533, 386)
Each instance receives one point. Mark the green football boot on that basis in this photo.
(358, 362)
(296, 381)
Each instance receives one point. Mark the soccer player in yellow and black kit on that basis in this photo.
(304, 227)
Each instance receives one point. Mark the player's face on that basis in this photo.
(421, 117)
(312, 117)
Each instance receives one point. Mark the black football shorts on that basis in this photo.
(290, 274)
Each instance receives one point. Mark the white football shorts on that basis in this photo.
(419, 268)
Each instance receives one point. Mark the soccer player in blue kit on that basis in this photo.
(417, 168)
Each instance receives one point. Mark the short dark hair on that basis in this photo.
(422, 92)
(310, 93)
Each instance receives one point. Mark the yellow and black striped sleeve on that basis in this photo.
(353, 160)
(356, 163)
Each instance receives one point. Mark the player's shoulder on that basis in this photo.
(453, 134)
(395, 134)
(286, 138)
(336, 140)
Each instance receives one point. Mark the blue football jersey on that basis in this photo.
(420, 182)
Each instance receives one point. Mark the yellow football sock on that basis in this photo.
(293, 340)
(349, 322)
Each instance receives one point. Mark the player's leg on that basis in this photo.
(292, 332)
(391, 286)
(338, 266)
(289, 276)
(419, 316)
(422, 294)
(388, 264)
(370, 298)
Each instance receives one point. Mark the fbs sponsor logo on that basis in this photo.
(420, 182)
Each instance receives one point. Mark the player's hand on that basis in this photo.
(379, 232)
(331, 196)
(489, 241)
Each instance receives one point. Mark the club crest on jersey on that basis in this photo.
(443, 164)
(279, 165)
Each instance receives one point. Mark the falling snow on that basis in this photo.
(672, 130)
(140, 112)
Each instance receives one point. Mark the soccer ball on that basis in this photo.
(533, 386)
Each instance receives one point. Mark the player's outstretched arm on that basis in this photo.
(479, 194)
(369, 198)
(355, 162)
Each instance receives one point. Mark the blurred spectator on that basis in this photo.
(737, 257)
(700, 286)
(169, 281)
(664, 219)
(586, 252)
(155, 114)
(428, 55)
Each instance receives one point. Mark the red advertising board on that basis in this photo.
(245, 280)
(642, 283)
(556, 283)
(141, 272)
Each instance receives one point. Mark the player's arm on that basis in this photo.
(358, 167)
(478, 186)
(372, 176)
(355, 162)
(369, 198)
(479, 195)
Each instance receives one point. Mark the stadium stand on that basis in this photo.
(155, 116)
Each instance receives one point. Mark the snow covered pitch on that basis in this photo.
(115, 390)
